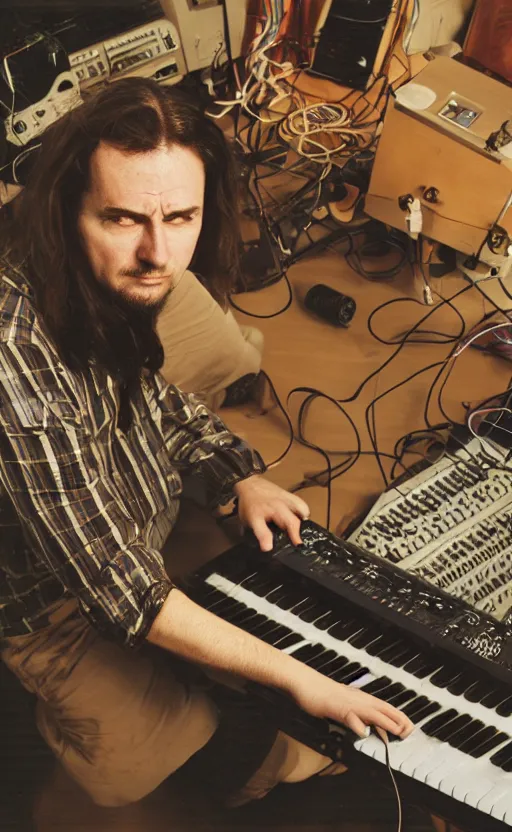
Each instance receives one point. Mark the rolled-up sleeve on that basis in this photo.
(52, 470)
(200, 443)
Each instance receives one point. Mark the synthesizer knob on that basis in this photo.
(19, 127)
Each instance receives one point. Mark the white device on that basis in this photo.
(24, 126)
(152, 50)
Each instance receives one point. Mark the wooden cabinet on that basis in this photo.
(420, 150)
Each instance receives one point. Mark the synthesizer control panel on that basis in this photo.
(152, 49)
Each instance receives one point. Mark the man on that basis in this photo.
(130, 189)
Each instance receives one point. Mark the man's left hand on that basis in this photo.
(260, 502)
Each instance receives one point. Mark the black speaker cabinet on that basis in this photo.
(349, 41)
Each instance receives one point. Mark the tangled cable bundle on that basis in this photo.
(310, 129)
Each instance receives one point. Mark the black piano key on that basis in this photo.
(393, 653)
(420, 709)
(399, 655)
(496, 739)
(322, 658)
(344, 671)
(477, 692)
(308, 652)
(444, 676)
(286, 599)
(258, 583)
(409, 654)
(375, 685)
(327, 621)
(288, 641)
(465, 738)
(421, 667)
(477, 747)
(211, 595)
(312, 612)
(502, 756)
(390, 691)
(464, 732)
(401, 698)
(350, 673)
(364, 637)
(473, 730)
(333, 667)
(461, 684)
(286, 633)
(505, 708)
(374, 647)
(262, 626)
(342, 629)
(222, 606)
(305, 604)
(495, 697)
(274, 632)
(453, 728)
(277, 592)
(240, 612)
(434, 725)
(383, 643)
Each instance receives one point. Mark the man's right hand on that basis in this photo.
(323, 697)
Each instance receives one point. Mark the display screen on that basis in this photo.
(26, 76)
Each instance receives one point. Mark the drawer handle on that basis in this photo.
(431, 195)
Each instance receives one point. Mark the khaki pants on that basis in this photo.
(121, 721)
(204, 347)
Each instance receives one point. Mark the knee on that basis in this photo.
(254, 337)
(113, 796)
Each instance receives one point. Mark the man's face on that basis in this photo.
(140, 220)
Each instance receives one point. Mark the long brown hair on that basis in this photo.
(135, 115)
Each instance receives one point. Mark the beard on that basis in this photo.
(144, 307)
(139, 311)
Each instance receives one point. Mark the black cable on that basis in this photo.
(354, 259)
(381, 396)
(284, 308)
(291, 437)
(334, 471)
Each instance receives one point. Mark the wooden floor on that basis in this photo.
(303, 351)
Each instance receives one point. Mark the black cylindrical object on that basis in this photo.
(331, 305)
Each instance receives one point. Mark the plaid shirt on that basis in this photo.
(85, 508)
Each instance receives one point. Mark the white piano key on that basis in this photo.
(438, 751)
(507, 817)
(502, 805)
(365, 679)
(496, 790)
(447, 762)
(480, 769)
(409, 751)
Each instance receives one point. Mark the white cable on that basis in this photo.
(484, 410)
(467, 342)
